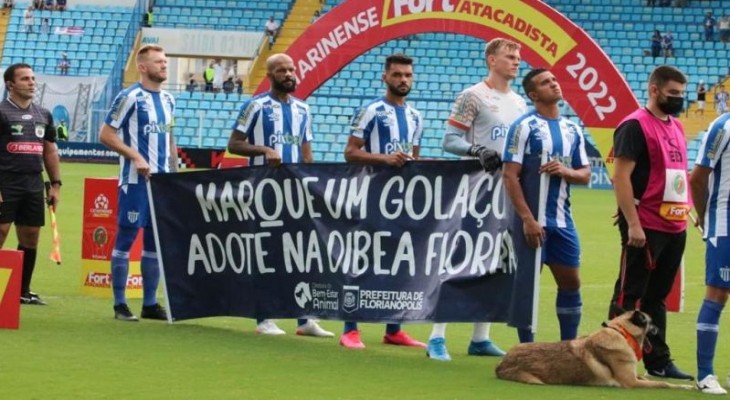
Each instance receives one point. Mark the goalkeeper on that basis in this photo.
(477, 127)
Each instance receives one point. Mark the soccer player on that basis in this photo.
(138, 127)
(386, 131)
(477, 126)
(273, 128)
(711, 193)
(650, 183)
(540, 131)
(27, 145)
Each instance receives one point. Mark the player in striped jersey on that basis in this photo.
(139, 128)
(386, 131)
(477, 126)
(711, 194)
(276, 127)
(544, 130)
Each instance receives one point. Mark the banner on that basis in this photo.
(204, 43)
(591, 83)
(99, 232)
(11, 272)
(338, 241)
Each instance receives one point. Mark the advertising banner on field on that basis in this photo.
(99, 232)
(591, 83)
(11, 272)
(428, 241)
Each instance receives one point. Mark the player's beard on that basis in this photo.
(157, 77)
(283, 87)
(398, 90)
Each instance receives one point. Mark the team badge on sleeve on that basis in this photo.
(40, 130)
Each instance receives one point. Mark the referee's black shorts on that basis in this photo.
(23, 199)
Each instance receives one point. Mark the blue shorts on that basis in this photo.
(717, 261)
(561, 246)
(134, 207)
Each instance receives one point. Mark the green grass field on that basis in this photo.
(74, 349)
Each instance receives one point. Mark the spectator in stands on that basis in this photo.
(8, 3)
(49, 5)
(149, 17)
(250, 137)
(64, 64)
(656, 44)
(724, 27)
(272, 30)
(316, 16)
(28, 19)
(386, 131)
(191, 85)
(37, 4)
(220, 73)
(668, 44)
(61, 5)
(62, 131)
(46, 26)
(701, 95)
(239, 85)
(228, 86)
(650, 3)
(208, 76)
(709, 25)
(721, 98)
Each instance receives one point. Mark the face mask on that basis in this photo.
(671, 105)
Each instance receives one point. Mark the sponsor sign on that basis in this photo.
(11, 271)
(590, 81)
(99, 232)
(201, 42)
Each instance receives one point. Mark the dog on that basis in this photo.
(605, 358)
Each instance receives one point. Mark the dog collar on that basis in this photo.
(630, 339)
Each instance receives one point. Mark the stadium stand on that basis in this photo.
(92, 38)
(219, 14)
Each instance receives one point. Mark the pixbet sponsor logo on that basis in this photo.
(316, 296)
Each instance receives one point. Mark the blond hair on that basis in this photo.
(146, 49)
(496, 44)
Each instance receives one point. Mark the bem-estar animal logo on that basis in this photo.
(302, 294)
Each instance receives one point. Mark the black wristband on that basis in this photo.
(59, 183)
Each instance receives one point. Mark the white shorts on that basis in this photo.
(700, 104)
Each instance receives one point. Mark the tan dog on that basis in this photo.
(605, 358)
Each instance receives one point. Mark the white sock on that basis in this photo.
(438, 331)
(481, 332)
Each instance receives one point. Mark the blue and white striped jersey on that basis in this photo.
(562, 139)
(387, 128)
(144, 121)
(714, 154)
(266, 121)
